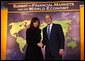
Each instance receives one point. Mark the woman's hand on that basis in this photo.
(40, 44)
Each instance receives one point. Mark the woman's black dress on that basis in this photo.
(33, 51)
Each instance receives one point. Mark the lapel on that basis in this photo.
(46, 32)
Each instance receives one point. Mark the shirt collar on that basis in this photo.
(50, 25)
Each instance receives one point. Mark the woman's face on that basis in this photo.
(35, 24)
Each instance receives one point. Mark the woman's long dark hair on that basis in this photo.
(34, 19)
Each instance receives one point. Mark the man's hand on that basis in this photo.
(61, 51)
(40, 44)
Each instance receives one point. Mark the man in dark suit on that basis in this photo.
(53, 39)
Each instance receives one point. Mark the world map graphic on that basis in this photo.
(17, 27)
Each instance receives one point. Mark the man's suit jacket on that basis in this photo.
(56, 40)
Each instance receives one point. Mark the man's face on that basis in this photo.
(48, 19)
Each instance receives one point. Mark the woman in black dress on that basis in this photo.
(33, 38)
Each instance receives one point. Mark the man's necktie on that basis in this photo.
(48, 32)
